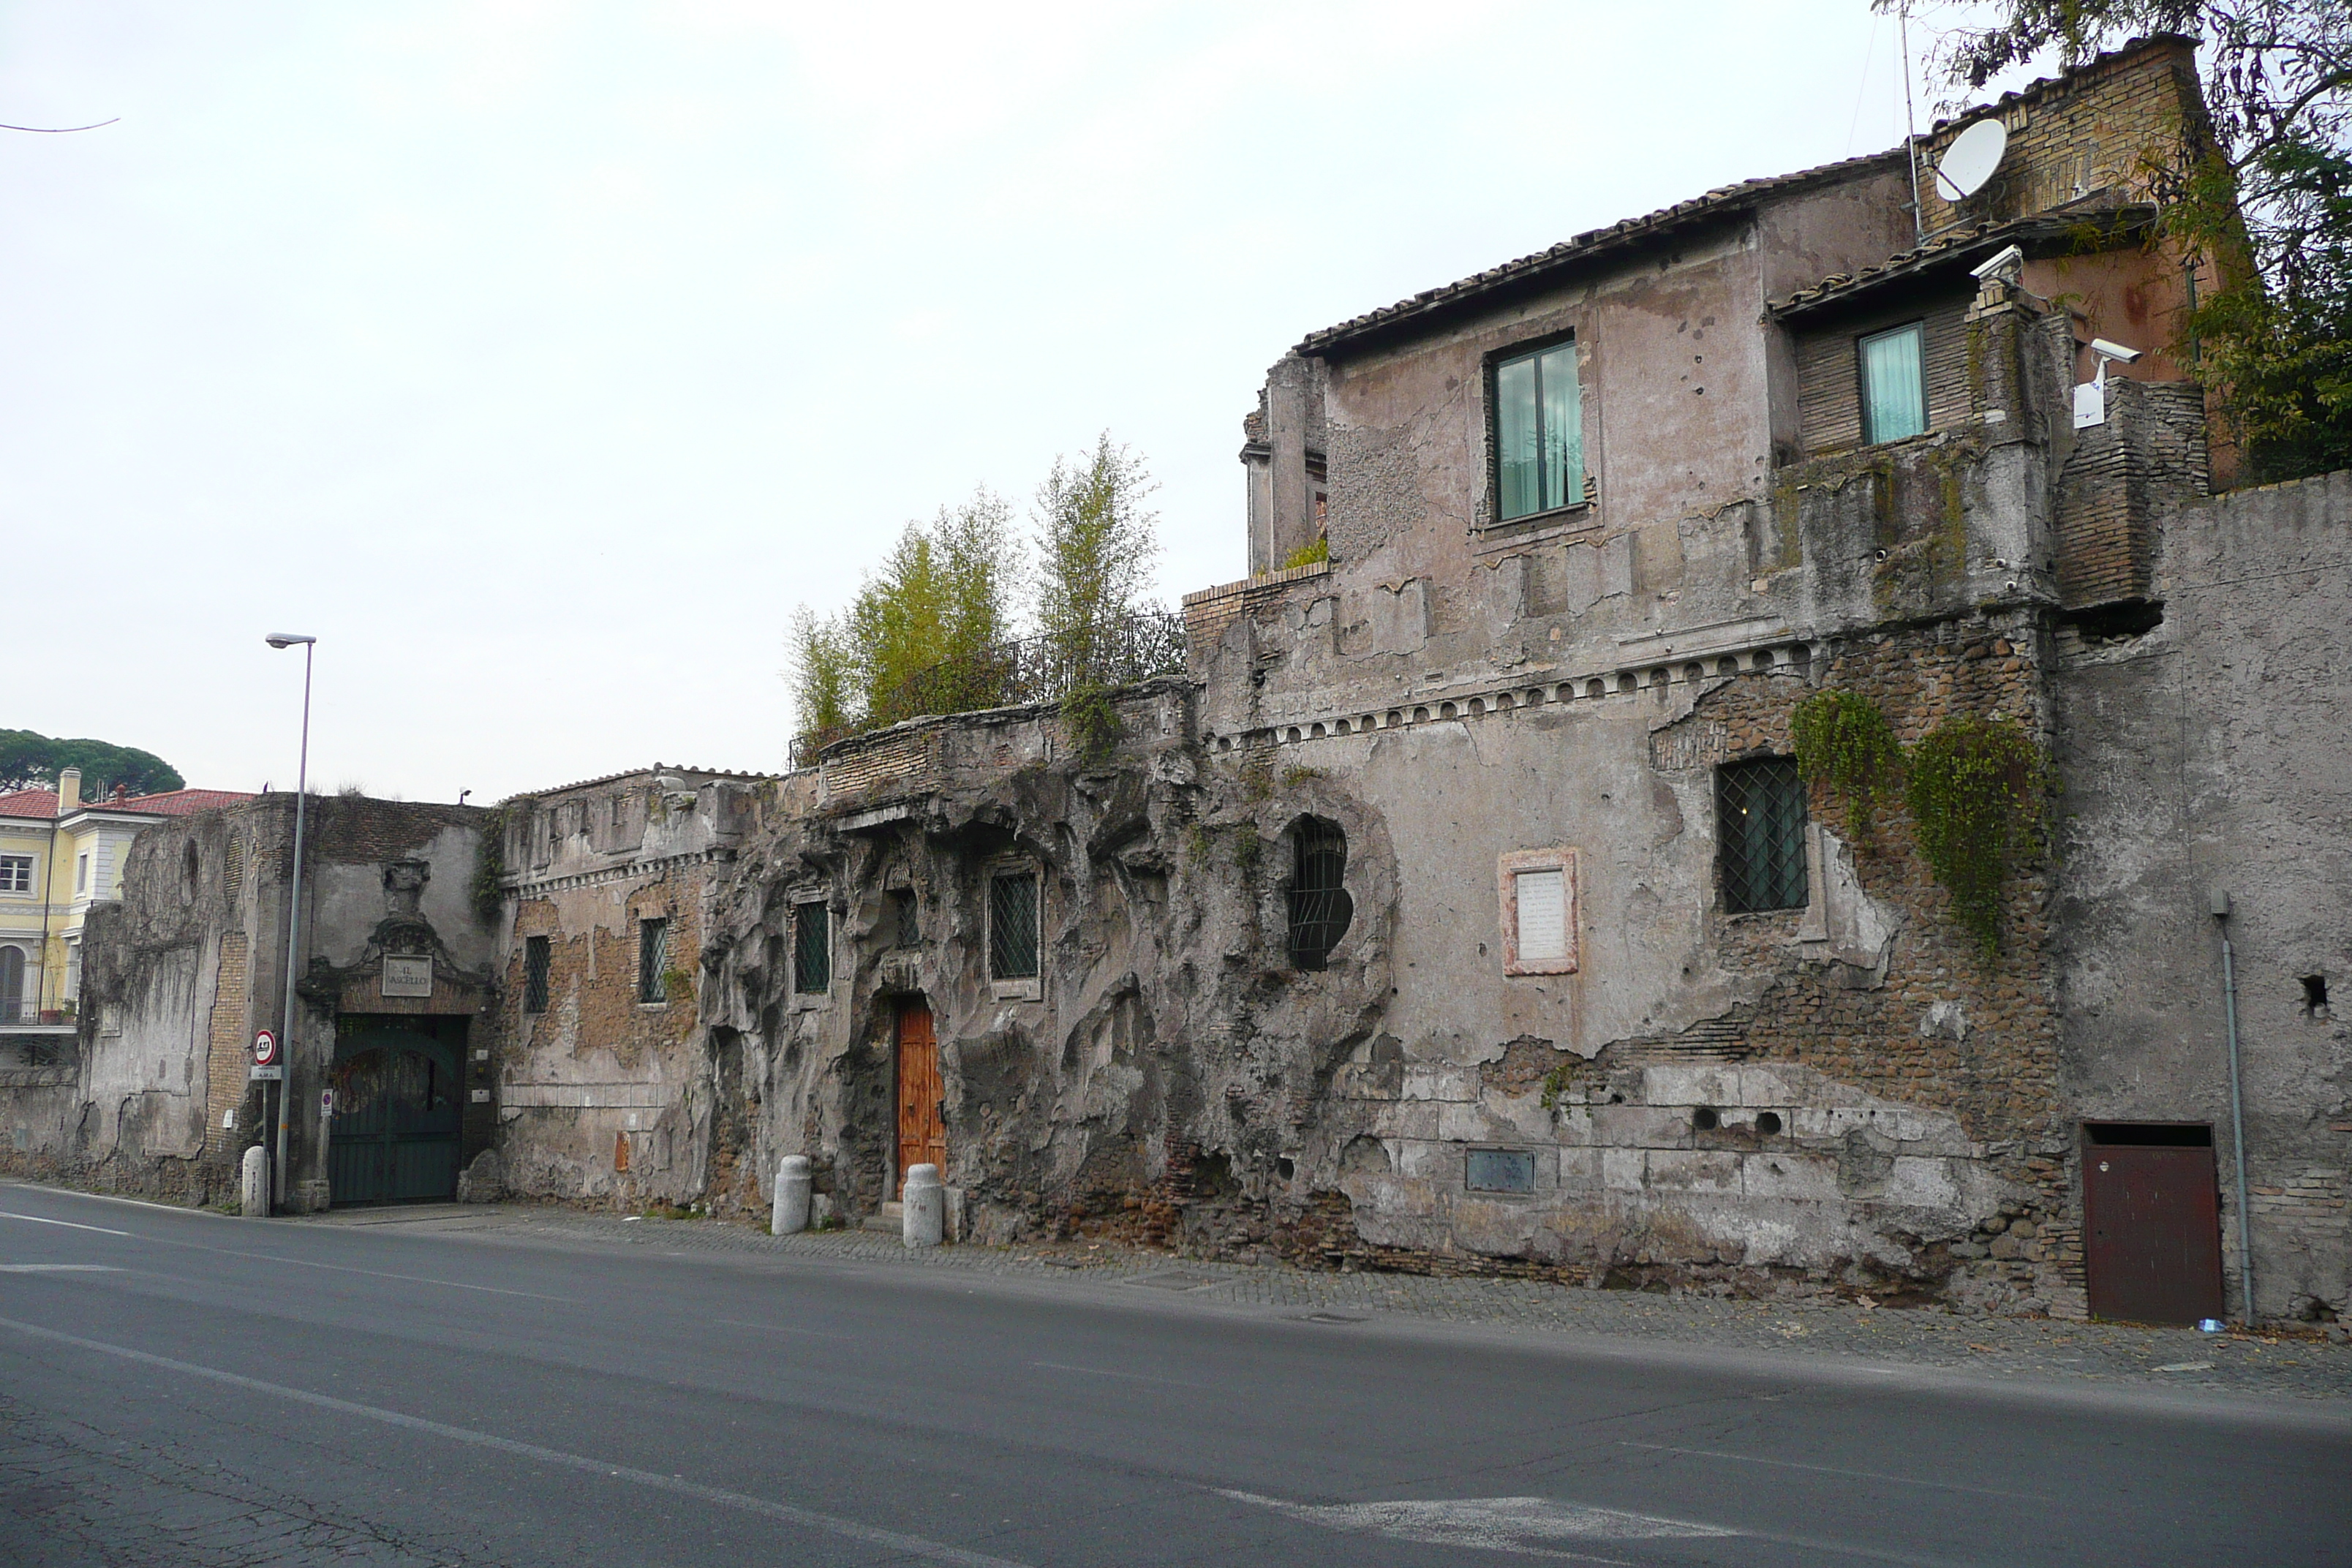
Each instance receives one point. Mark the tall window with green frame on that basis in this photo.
(1894, 385)
(1538, 432)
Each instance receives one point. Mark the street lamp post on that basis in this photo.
(293, 916)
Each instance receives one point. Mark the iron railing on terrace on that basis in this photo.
(1014, 674)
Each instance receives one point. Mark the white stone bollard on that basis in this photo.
(254, 1194)
(793, 1183)
(923, 1203)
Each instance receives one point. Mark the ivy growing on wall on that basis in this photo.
(1975, 790)
(1844, 741)
(490, 867)
(1093, 722)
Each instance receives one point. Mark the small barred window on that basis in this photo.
(1759, 825)
(1321, 909)
(653, 957)
(812, 950)
(537, 955)
(1013, 926)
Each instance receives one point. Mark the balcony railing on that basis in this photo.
(1014, 674)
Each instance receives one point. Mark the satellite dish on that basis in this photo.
(1970, 159)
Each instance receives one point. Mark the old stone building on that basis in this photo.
(386, 1075)
(1465, 909)
(1460, 904)
(603, 1084)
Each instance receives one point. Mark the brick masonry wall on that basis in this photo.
(1829, 374)
(2001, 1074)
(2069, 139)
(227, 1053)
(612, 1055)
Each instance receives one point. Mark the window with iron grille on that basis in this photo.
(16, 873)
(1319, 906)
(653, 957)
(1012, 925)
(811, 952)
(537, 954)
(1759, 829)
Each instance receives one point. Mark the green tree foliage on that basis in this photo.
(1095, 546)
(2266, 201)
(29, 761)
(946, 592)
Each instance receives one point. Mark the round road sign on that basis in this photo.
(265, 1047)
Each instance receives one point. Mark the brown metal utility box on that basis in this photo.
(2151, 1222)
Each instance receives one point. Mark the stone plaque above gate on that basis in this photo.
(407, 974)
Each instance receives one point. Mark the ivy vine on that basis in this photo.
(490, 867)
(1093, 721)
(1975, 792)
(1844, 741)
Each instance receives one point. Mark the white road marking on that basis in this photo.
(911, 1545)
(1128, 1376)
(1524, 1525)
(1833, 1470)
(37, 1219)
(370, 1273)
(58, 1269)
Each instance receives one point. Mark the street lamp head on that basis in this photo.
(286, 640)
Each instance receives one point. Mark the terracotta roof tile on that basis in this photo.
(42, 803)
(1592, 242)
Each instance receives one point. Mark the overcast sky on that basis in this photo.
(540, 358)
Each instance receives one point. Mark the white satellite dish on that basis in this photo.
(1970, 159)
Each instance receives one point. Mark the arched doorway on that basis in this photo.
(922, 1115)
(392, 1136)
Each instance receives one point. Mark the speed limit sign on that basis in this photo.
(265, 1049)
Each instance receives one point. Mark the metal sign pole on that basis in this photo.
(293, 915)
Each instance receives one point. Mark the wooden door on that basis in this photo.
(2152, 1213)
(922, 1121)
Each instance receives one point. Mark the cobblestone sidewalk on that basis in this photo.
(2300, 1365)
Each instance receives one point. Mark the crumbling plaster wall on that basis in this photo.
(1177, 1076)
(2206, 755)
(140, 1114)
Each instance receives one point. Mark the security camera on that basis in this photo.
(2106, 350)
(2001, 260)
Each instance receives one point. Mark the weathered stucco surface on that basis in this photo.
(2206, 755)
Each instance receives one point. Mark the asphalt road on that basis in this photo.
(183, 1389)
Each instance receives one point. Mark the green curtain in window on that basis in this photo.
(1538, 432)
(1563, 427)
(1894, 385)
(1516, 437)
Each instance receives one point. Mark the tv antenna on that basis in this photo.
(1910, 122)
(1970, 159)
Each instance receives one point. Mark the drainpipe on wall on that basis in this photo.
(2221, 907)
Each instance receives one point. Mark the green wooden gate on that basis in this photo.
(392, 1137)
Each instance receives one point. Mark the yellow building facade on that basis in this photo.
(60, 854)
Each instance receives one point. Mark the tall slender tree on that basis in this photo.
(1095, 547)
